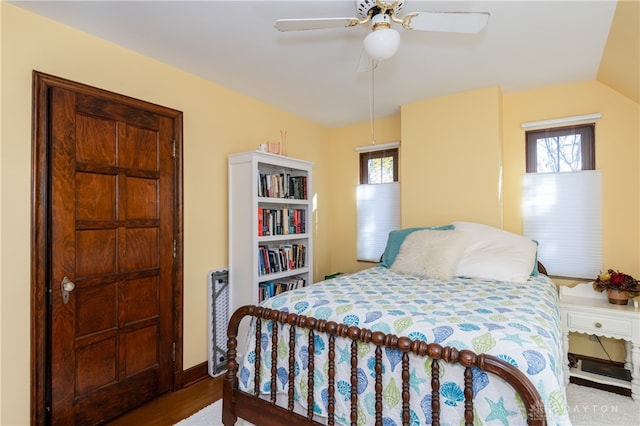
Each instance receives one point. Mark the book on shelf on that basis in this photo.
(285, 257)
(285, 220)
(277, 219)
(269, 289)
(282, 185)
(282, 221)
(263, 262)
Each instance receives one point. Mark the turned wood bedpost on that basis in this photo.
(274, 357)
(256, 364)
(331, 401)
(468, 395)
(230, 382)
(292, 367)
(404, 345)
(435, 352)
(378, 339)
(310, 373)
(378, 385)
(354, 382)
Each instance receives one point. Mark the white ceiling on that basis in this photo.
(526, 45)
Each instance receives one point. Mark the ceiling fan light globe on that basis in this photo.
(382, 44)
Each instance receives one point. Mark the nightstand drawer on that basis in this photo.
(618, 327)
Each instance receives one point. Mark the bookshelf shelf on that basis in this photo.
(278, 275)
(281, 201)
(251, 213)
(288, 237)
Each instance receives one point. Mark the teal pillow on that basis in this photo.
(395, 239)
(535, 272)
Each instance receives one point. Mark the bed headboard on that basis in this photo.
(542, 269)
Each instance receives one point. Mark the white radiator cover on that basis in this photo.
(218, 310)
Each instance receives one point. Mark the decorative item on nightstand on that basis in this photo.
(620, 286)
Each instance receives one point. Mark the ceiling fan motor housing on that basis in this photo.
(364, 6)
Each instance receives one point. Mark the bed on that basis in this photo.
(457, 324)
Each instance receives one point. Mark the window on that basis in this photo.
(562, 200)
(561, 149)
(378, 201)
(379, 166)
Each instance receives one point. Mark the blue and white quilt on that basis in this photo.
(519, 323)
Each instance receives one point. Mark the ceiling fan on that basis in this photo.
(383, 41)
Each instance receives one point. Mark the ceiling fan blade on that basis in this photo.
(315, 23)
(448, 22)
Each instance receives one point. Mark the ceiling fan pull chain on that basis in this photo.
(372, 67)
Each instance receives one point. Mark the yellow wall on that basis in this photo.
(620, 63)
(451, 158)
(344, 178)
(1, 227)
(215, 124)
(451, 153)
(617, 153)
(455, 154)
(453, 148)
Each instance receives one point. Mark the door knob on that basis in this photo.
(67, 287)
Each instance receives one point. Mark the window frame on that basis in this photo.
(587, 144)
(370, 155)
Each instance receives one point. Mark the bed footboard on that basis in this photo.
(265, 411)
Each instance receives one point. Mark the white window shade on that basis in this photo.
(378, 209)
(563, 212)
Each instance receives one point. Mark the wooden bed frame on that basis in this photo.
(265, 411)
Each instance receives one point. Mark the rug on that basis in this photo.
(587, 407)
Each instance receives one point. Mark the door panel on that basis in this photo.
(142, 198)
(95, 140)
(113, 226)
(98, 249)
(95, 196)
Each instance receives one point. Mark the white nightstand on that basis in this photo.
(584, 310)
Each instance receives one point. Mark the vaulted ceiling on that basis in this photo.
(620, 63)
(313, 74)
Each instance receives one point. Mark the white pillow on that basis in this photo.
(430, 254)
(495, 254)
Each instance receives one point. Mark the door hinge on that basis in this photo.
(174, 149)
(175, 248)
(173, 352)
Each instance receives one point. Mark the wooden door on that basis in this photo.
(113, 236)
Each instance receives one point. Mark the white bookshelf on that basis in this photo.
(245, 200)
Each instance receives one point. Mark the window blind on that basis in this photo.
(378, 208)
(563, 212)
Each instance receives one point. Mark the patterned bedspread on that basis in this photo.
(516, 322)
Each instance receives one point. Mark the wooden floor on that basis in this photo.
(172, 407)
